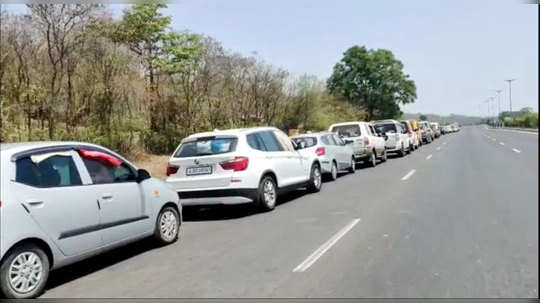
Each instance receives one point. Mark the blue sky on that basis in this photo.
(456, 51)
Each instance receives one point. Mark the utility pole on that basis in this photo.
(510, 92)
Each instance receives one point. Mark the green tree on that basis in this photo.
(374, 81)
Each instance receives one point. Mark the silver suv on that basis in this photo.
(61, 202)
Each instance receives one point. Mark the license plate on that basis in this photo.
(199, 170)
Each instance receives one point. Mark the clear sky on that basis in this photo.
(456, 51)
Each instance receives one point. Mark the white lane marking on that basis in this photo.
(501, 143)
(516, 150)
(429, 157)
(408, 175)
(325, 247)
(439, 148)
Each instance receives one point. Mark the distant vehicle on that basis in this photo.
(366, 144)
(397, 140)
(250, 165)
(417, 130)
(333, 153)
(62, 202)
(427, 132)
(436, 129)
(413, 136)
(446, 129)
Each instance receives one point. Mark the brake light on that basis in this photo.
(320, 151)
(236, 164)
(171, 169)
(366, 141)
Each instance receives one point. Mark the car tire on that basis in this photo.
(267, 194)
(333, 171)
(372, 161)
(21, 255)
(167, 225)
(352, 168)
(384, 157)
(315, 179)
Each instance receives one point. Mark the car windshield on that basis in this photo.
(347, 131)
(206, 147)
(385, 128)
(404, 124)
(308, 141)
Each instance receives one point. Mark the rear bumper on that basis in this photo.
(218, 196)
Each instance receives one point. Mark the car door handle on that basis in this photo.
(34, 202)
(107, 197)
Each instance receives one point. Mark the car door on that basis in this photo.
(344, 158)
(123, 211)
(53, 190)
(296, 163)
(332, 152)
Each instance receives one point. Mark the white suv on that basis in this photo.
(61, 202)
(240, 166)
(366, 144)
(397, 140)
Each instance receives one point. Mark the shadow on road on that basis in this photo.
(93, 264)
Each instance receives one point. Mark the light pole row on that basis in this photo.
(498, 91)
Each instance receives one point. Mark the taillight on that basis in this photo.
(171, 169)
(236, 164)
(320, 151)
(366, 141)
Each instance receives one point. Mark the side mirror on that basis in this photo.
(142, 174)
(348, 141)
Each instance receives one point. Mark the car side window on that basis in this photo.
(338, 140)
(284, 140)
(325, 140)
(48, 170)
(331, 139)
(255, 142)
(270, 141)
(104, 168)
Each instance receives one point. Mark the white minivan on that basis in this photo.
(397, 139)
(61, 202)
(240, 166)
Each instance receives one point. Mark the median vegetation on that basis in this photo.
(73, 72)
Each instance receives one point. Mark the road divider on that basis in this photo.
(516, 150)
(408, 175)
(429, 157)
(325, 247)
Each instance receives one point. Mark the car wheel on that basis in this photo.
(384, 156)
(372, 161)
(315, 180)
(352, 168)
(333, 171)
(167, 225)
(24, 272)
(267, 194)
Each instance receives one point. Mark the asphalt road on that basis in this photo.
(456, 218)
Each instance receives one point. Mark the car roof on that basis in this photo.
(231, 132)
(317, 134)
(385, 121)
(348, 123)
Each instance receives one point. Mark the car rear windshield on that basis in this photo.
(206, 146)
(350, 130)
(308, 141)
(385, 128)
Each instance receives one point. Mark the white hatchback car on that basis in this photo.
(333, 153)
(61, 202)
(397, 140)
(240, 166)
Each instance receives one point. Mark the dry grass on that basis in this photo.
(155, 164)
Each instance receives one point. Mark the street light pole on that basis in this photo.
(510, 92)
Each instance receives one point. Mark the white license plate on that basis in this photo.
(199, 170)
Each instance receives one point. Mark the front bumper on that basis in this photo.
(218, 196)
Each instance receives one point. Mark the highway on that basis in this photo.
(456, 218)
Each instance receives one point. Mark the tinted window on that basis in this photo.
(385, 128)
(103, 173)
(48, 170)
(308, 141)
(338, 140)
(255, 142)
(270, 141)
(351, 130)
(284, 140)
(206, 147)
